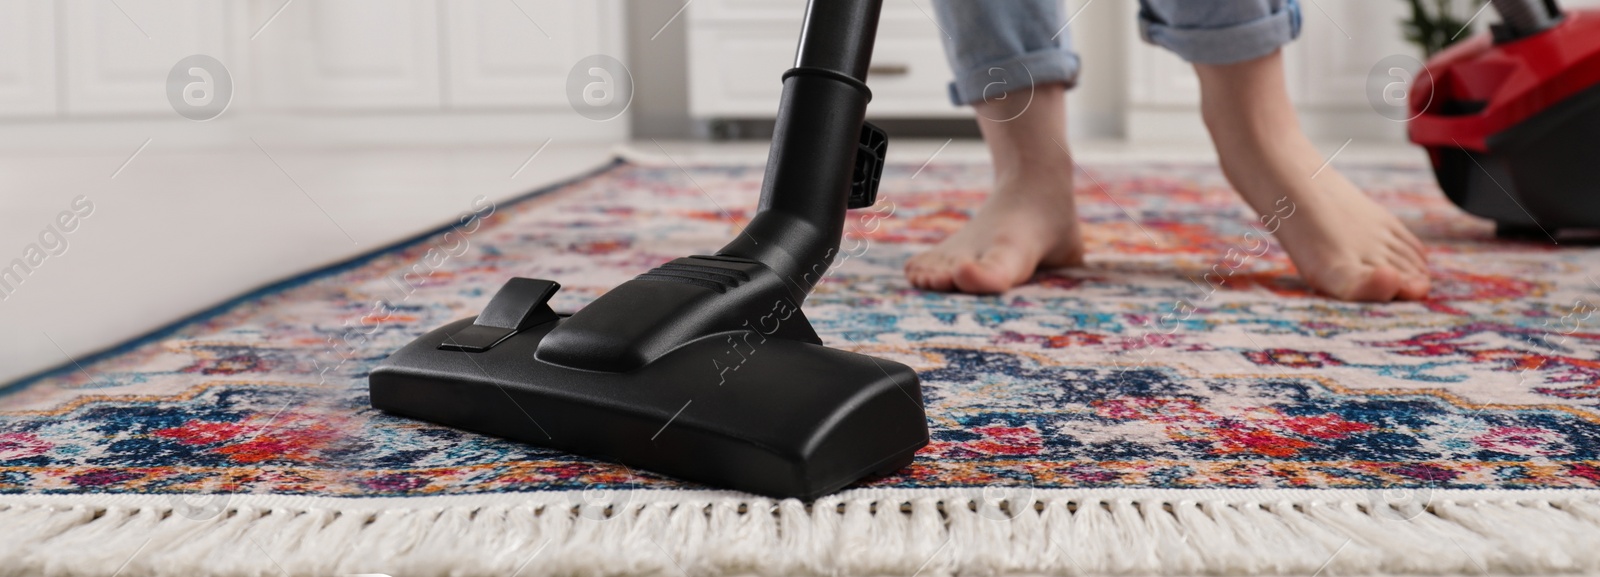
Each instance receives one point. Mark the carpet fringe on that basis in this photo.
(861, 532)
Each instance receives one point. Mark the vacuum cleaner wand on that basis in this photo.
(703, 368)
(801, 217)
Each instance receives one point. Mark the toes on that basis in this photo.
(913, 272)
(1403, 254)
(1407, 268)
(914, 278)
(1412, 265)
(1383, 280)
(974, 278)
(1402, 243)
(1405, 235)
(993, 273)
(1413, 277)
(1362, 283)
(940, 281)
(1414, 288)
(930, 271)
(1381, 285)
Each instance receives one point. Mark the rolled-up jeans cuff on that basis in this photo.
(1238, 43)
(1049, 66)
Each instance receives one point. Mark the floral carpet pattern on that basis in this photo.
(1186, 354)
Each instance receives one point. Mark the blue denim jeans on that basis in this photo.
(998, 46)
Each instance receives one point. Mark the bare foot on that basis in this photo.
(1343, 243)
(1025, 225)
(1029, 221)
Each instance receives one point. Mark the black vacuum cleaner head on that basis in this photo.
(769, 410)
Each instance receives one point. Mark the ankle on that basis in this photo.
(1034, 180)
(1031, 159)
(1270, 153)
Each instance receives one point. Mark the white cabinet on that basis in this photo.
(400, 55)
(352, 55)
(28, 71)
(739, 49)
(503, 54)
(734, 71)
(331, 58)
(117, 54)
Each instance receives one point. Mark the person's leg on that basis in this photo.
(1343, 243)
(1014, 70)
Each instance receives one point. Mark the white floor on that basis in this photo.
(176, 232)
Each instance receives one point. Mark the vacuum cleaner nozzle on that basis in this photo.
(703, 368)
(752, 401)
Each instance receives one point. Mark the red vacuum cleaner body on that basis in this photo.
(1511, 120)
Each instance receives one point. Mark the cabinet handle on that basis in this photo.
(888, 70)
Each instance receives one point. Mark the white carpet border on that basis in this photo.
(922, 531)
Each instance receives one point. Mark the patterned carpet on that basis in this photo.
(1185, 355)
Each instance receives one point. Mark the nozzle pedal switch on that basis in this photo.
(521, 303)
(871, 154)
